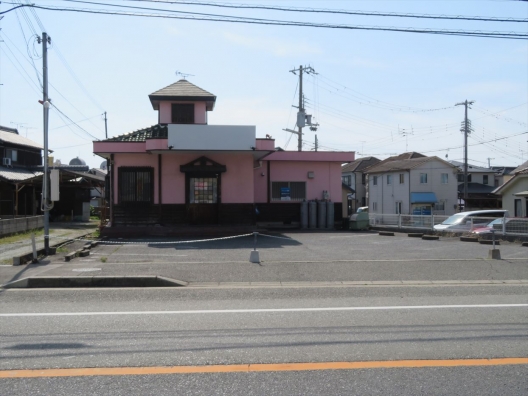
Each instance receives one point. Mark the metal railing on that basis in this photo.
(474, 225)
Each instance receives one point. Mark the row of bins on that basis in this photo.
(317, 214)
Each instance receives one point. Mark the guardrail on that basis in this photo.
(476, 225)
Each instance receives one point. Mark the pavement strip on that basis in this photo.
(262, 367)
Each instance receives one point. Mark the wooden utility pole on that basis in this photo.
(301, 114)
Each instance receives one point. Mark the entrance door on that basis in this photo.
(517, 208)
(203, 200)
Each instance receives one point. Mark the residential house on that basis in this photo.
(502, 174)
(183, 171)
(420, 185)
(354, 176)
(514, 192)
(20, 181)
(481, 183)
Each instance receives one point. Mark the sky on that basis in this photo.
(376, 92)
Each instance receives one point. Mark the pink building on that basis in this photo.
(184, 171)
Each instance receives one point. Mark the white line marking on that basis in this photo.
(263, 310)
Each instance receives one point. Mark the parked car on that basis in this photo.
(362, 209)
(514, 225)
(462, 221)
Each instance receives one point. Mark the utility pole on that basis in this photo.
(489, 162)
(46, 206)
(316, 143)
(466, 128)
(106, 128)
(301, 115)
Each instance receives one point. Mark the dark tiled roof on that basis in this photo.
(404, 156)
(182, 90)
(359, 164)
(476, 188)
(158, 131)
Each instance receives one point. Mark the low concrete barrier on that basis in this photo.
(20, 224)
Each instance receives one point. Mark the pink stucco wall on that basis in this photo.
(327, 177)
(118, 147)
(237, 181)
(265, 144)
(165, 112)
(135, 160)
(336, 156)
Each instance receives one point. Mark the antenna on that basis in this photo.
(184, 75)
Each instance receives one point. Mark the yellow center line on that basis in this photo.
(237, 368)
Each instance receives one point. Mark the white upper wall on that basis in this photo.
(211, 137)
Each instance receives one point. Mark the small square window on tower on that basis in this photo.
(183, 113)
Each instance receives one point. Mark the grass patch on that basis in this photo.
(62, 249)
(6, 262)
(103, 259)
(21, 236)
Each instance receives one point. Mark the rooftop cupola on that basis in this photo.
(182, 103)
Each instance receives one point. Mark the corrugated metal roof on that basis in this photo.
(158, 131)
(17, 174)
(10, 137)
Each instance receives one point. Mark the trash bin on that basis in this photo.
(359, 221)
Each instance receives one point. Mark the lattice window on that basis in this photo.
(203, 190)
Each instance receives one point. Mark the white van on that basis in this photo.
(462, 221)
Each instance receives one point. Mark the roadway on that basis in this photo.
(362, 314)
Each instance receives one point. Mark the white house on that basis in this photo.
(353, 175)
(515, 192)
(421, 185)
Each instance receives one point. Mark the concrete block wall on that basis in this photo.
(20, 224)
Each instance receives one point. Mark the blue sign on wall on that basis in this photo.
(285, 193)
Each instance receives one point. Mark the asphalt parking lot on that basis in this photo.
(292, 257)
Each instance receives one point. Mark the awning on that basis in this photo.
(521, 194)
(423, 197)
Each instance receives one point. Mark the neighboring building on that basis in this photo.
(354, 176)
(421, 185)
(502, 174)
(481, 183)
(184, 171)
(515, 192)
(20, 181)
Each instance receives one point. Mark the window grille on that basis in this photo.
(183, 113)
(288, 191)
(136, 184)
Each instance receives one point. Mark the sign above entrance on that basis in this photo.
(211, 137)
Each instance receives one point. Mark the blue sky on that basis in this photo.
(377, 93)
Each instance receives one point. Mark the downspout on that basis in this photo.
(159, 189)
(268, 193)
(381, 177)
(112, 188)
(409, 191)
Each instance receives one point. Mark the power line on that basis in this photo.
(341, 12)
(258, 21)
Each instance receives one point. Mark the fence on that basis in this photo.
(20, 224)
(476, 225)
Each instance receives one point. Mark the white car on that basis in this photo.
(462, 221)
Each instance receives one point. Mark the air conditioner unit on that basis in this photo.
(7, 162)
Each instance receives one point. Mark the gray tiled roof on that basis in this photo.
(359, 164)
(404, 164)
(17, 174)
(158, 131)
(15, 138)
(472, 168)
(182, 90)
